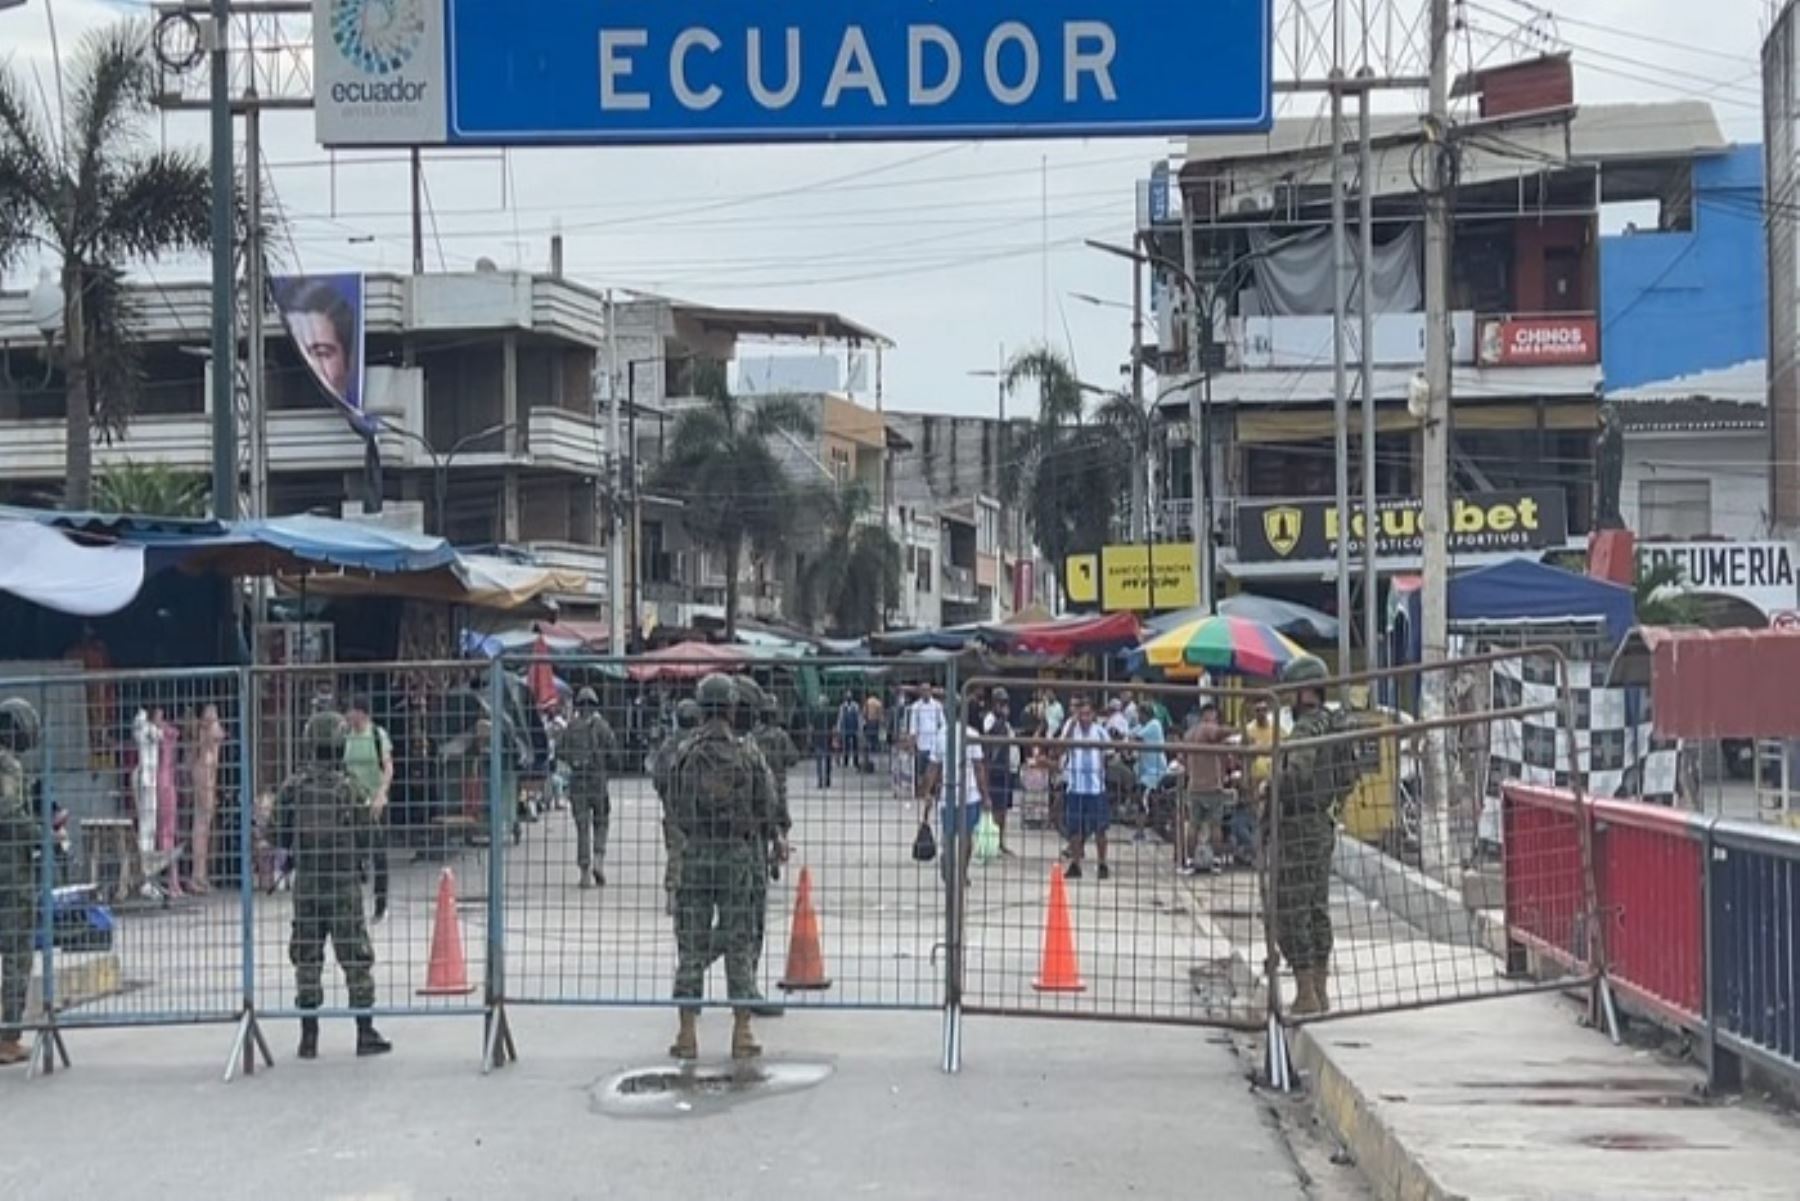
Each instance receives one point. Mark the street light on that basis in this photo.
(441, 460)
(1100, 302)
(1204, 300)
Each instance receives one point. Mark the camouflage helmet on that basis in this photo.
(325, 733)
(716, 695)
(750, 694)
(587, 698)
(18, 725)
(687, 714)
(1306, 669)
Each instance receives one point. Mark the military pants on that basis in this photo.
(673, 841)
(592, 809)
(724, 888)
(17, 917)
(1303, 892)
(338, 918)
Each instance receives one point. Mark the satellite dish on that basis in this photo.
(485, 266)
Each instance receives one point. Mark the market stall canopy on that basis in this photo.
(1295, 620)
(952, 638)
(43, 566)
(349, 545)
(1070, 636)
(764, 645)
(687, 661)
(594, 636)
(1712, 684)
(1519, 592)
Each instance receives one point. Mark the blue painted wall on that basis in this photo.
(1674, 304)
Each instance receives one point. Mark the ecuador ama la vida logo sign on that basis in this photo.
(653, 72)
(379, 74)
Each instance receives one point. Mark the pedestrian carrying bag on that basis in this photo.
(987, 839)
(925, 844)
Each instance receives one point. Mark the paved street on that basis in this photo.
(1069, 1109)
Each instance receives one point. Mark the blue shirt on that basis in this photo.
(1085, 770)
(1152, 763)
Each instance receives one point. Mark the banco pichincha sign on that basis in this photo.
(1484, 523)
(559, 72)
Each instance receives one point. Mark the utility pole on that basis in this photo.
(224, 339)
(1200, 513)
(1340, 386)
(418, 214)
(615, 578)
(254, 292)
(1435, 435)
(1365, 216)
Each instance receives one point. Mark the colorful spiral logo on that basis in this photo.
(378, 36)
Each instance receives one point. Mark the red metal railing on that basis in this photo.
(1649, 870)
(1545, 893)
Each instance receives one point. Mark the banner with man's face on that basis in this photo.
(324, 317)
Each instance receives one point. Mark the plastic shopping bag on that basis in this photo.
(987, 839)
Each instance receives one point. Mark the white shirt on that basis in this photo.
(1053, 718)
(925, 721)
(1118, 726)
(1086, 770)
(972, 756)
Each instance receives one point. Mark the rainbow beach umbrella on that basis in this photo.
(1223, 646)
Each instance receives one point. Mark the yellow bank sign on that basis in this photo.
(1138, 579)
(1526, 520)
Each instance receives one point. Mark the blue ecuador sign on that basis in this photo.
(657, 71)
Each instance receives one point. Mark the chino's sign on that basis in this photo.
(501, 72)
(1273, 531)
(1539, 341)
(1760, 574)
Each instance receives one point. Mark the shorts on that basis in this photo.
(971, 819)
(1205, 807)
(1000, 791)
(1086, 814)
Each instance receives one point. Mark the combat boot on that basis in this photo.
(743, 1043)
(1306, 993)
(309, 1038)
(687, 1037)
(369, 1040)
(12, 1052)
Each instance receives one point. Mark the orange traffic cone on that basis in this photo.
(1057, 969)
(448, 975)
(806, 962)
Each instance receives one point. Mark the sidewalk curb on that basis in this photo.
(1394, 1172)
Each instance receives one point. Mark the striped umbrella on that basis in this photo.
(1223, 646)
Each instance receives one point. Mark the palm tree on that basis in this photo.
(1135, 426)
(721, 466)
(151, 490)
(87, 186)
(1071, 474)
(855, 578)
(1659, 599)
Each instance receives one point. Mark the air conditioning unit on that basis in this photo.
(1260, 200)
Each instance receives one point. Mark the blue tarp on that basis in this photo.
(350, 545)
(1525, 591)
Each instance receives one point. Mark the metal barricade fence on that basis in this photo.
(1752, 889)
(370, 852)
(136, 781)
(1120, 890)
(603, 886)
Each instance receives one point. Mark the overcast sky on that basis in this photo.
(940, 246)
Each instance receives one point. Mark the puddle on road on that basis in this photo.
(699, 1090)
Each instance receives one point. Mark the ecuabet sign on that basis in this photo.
(502, 72)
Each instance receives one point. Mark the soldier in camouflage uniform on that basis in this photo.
(325, 825)
(721, 798)
(587, 746)
(780, 755)
(1312, 782)
(18, 836)
(662, 768)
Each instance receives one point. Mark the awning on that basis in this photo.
(351, 545)
(1710, 684)
(687, 661)
(496, 583)
(1071, 636)
(42, 566)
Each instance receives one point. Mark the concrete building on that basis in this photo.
(1526, 295)
(954, 470)
(1684, 306)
